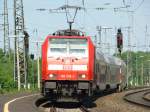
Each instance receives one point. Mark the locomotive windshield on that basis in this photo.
(65, 46)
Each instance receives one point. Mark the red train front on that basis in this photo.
(67, 64)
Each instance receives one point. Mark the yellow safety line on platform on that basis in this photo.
(6, 105)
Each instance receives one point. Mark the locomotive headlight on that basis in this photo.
(51, 75)
(83, 76)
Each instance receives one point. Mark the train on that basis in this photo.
(72, 66)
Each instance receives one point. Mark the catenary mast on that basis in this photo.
(6, 29)
(21, 45)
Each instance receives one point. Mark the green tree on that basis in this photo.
(6, 70)
(138, 67)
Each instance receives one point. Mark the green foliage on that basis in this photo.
(138, 67)
(32, 74)
(7, 83)
(6, 71)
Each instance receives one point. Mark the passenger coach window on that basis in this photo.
(97, 67)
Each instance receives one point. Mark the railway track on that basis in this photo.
(147, 96)
(138, 97)
(84, 109)
(45, 105)
(80, 109)
(52, 109)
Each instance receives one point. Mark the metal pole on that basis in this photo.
(128, 54)
(146, 39)
(33, 73)
(142, 73)
(141, 69)
(15, 47)
(4, 27)
(128, 68)
(18, 68)
(38, 67)
(107, 44)
(99, 29)
(137, 79)
(95, 40)
(116, 50)
(149, 73)
(20, 57)
(6, 30)
(38, 62)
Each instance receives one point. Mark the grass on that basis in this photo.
(15, 91)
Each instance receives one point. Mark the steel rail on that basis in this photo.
(136, 97)
(52, 109)
(146, 96)
(84, 109)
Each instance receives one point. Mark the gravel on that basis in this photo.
(110, 103)
(115, 103)
(147, 96)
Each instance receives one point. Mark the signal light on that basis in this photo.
(32, 56)
(119, 41)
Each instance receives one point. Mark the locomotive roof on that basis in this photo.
(68, 32)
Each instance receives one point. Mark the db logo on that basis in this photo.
(67, 67)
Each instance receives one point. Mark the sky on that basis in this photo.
(136, 16)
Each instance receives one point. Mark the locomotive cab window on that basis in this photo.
(67, 46)
(59, 50)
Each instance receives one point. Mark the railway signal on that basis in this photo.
(32, 56)
(119, 41)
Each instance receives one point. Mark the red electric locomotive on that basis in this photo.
(71, 65)
(67, 63)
